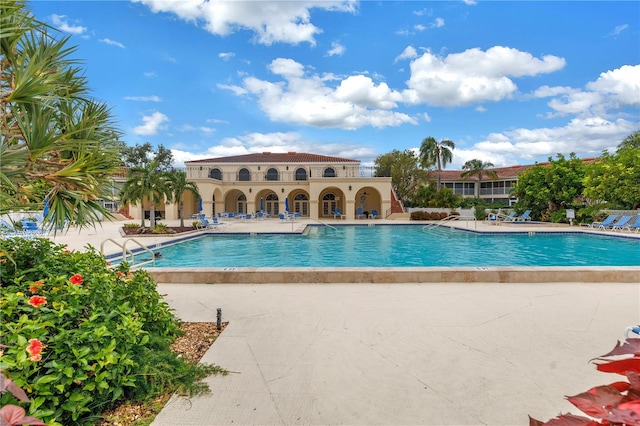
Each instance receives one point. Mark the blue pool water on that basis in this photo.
(399, 246)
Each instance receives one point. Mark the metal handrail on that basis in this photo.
(325, 224)
(126, 251)
(441, 222)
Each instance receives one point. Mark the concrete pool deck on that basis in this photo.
(405, 353)
(401, 354)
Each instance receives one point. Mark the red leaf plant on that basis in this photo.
(616, 404)
(11, 414)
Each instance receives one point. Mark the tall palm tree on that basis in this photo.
(178, 186)
(477, 167)
(57, 143)
(147, 183)
(434, 153)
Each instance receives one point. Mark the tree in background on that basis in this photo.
(434, 153)
(143, 155)
(147, 183)
(478, 168)
(57, 142)
(631, 141)
(615, 179)
(178, 186)
(402, 167)
(548, 188)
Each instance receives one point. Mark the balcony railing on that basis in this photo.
(285, 176)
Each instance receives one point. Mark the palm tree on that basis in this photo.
(147, 183)
(434, 153)
(57, 143)
(477, 167)
(178, 186)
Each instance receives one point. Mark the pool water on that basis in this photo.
(399, 246)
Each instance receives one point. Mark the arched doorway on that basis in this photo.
(301, 204)
(271, 204)
(330, 202)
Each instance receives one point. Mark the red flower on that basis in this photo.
(37, 285)
(76, 279)
(120, 274)
(37, 301)
(35, 349)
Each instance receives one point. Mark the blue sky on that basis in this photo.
(508, 82)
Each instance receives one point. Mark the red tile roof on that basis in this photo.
(510, 172)
(274, 158)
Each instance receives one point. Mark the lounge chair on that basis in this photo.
(607, 222)
(374, 214)
(360, 213)
(216, 222)
(524, 217)
(635, 226)
(621, 223)
(337, 213)
(508, 218)
(633, 329)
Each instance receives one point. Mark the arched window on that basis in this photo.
(329, 172)
(215, 174)
(272, 174)
(300, 197)
(244, 175)
(301, 174)
(328, 197)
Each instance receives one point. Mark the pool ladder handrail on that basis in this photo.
(325, 224)
(441, 222)
(126, 251)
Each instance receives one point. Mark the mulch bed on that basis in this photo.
(197, 339)
(147, 231)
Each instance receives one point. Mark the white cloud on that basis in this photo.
(323, 101)
(152, 98)
(61, 23)
(419, 27)
(274, 142)
(112, 43)
(621, 85)
(408, 53)
(151, 124)
(336, 49)
(620, 28)
(271, 21)
(586, 137)
(438, 23)
(613, 90)
(169, 58)
(216, 121)
(150, 74)
(225, 56)
(473, 75)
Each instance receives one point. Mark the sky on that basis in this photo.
(509, 82)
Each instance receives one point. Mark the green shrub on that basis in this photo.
(131, 225)
(79, 335)
(162, 228)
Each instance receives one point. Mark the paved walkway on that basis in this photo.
(403, 354)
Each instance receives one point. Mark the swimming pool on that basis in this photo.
(399, 246)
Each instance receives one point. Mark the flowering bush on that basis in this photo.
(78, 335)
